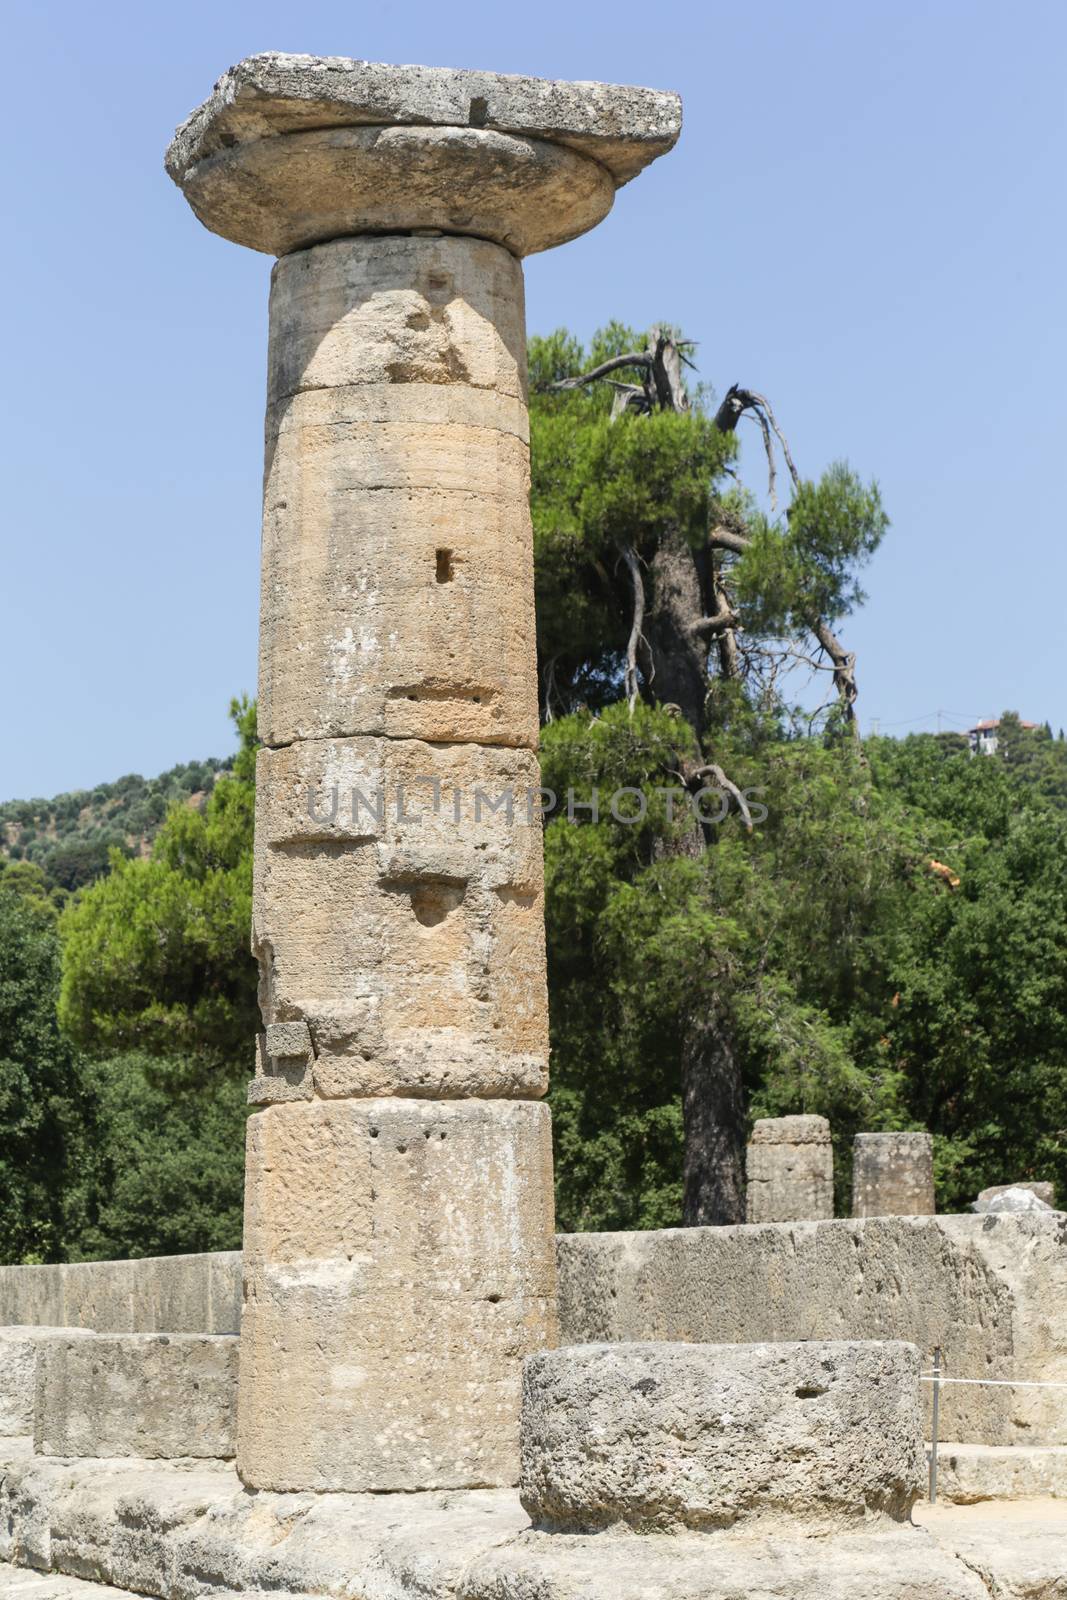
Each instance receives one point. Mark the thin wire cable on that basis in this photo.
(1005, 1383)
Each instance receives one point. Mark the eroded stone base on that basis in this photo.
(668, 1437)
(398, 1267)
(178, 1532)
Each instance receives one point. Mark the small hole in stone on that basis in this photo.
(809, 1392)
(443, 1136)
(374, 1133)
(427, 1134)
(479, 112)
(476, 699)
(494, 1299)
(445, 572)
(402, 1149)
(432, 902)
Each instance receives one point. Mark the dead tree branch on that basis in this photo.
(711, 770)
(708, 627)
(736, 403)
(629, 556)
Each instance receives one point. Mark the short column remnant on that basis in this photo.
(790, 1170)
(398, 1227)
(669, 1437)
(893, 1175)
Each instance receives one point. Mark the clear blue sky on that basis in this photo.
(865, 218)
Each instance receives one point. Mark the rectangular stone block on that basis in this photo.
(620, 126)
(893, 1175)
(790, 1170)
(136, 1394)
(991, 1291)
(398, 1267)
(198, 1293)
(400, 916)
(19, 1350)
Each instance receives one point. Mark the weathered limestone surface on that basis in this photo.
(664, 1437)
(160, 1294)
(621, 127)
(967, 1473)
(52, 1586)
(399, 1266)
(894, 1563)
(280, 195)
(893, 1175)
(1015, 1549)
(417, 957)
(180, 1532)
(136, 1394)
(397, 586)
(991, 1291)
(790, 1170)
(19, 1352)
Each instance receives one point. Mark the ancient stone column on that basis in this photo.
(790, 1170)
(893, 1175)
(398, 1217)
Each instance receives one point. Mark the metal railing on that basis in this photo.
(937, 1377)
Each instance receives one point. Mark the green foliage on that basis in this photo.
(978, 1027)
(804, 565)
(139, 1152)
(611, 905)
(857, 982)
(71, 836)
(41, 1098)
(168, 1162)
(597, 485)
(156, 955)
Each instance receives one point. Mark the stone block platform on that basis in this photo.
(970, 1473)
(136, 1394)
(158, 1294)
(181, 1531)
(991, 1291)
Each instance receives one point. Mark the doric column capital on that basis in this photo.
(290, 151)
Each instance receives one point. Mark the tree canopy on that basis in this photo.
(874, 930)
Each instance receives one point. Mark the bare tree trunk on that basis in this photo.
(676, 620)
(679, 656)
(713, 1114)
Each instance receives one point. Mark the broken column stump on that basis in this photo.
(893, 1175)
(790, 1170)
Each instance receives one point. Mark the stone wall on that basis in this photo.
(990, 1290)
(158, 1294)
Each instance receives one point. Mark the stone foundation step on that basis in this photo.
(178, 1531)
(130, 1394)
(26, 1584)
(967, 1473)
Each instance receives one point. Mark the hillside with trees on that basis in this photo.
(71, 836)
(875, 930)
